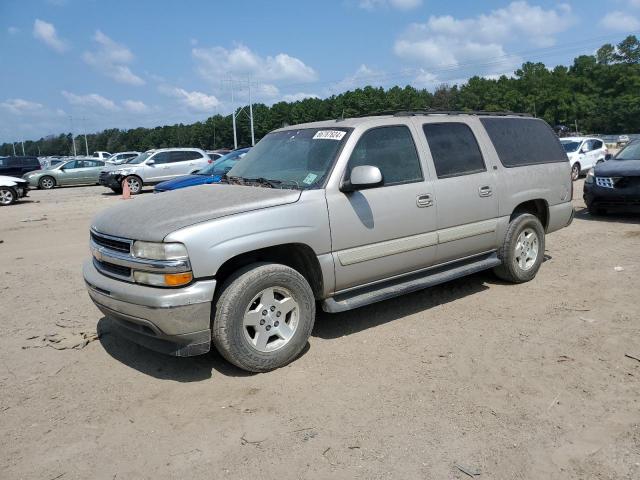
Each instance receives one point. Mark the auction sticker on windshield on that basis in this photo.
(329, 135)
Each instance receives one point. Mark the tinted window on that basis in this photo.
(596, 145)
(392, 150)
(190, 155)
(454, 149)
(179, 156)
(162, 157)
(523, 141)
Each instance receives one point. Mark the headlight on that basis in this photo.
(163, 279)
(590, 177)
(159, 251)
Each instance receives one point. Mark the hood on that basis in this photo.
(187, 181)
(153, 217)
(10, 181)
(618, 168)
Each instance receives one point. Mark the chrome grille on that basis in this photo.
(605, 182)
(112, 243)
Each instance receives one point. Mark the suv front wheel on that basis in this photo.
(522, 252)
(134, 183)
(263, 317)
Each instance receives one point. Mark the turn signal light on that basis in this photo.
(177, 279)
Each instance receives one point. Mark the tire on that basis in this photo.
(47, 183)
(575, 171)
(247, 328)
(8, 196)
(135, 184)
(521, 253)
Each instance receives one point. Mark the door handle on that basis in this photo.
(485, 191)
(424, 200)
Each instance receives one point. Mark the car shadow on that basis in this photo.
(166, 367)
(111, 193)
(628, 217)
(335, 325)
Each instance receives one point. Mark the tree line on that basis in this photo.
(601, 93)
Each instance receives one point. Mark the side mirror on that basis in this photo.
(151, 162)
(608, 156)
(362, 177)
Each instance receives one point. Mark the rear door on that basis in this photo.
(466, 199)
(389, 230)
(91, 170)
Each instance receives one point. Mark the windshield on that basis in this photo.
(302, 157)
(140, 158)
(570, 146)
(630, 152)
(224, 164)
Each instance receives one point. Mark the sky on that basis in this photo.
(87, 65)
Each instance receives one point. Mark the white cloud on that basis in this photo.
(135, 106)
(399, 4)
(240, 61)
(46, 32)
(112, 59)
(20, 106)
(89, 101)
(13, 30)
(620, 21)
(634, 3)
(479, 44)
(363, 76)
(194, 101)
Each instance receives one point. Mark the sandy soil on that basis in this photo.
(515, 382)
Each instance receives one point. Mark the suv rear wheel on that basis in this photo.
(263, 317)
(522, 252)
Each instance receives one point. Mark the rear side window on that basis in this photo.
(454, 149)
(392, 150)
(191, 155)
(523, 141)
(596, 145)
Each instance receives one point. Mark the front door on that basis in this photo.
(389, 230)
(159, 170)
(465, 190)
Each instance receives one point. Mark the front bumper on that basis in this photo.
(626, 196)
(110, 180)
(174, 321)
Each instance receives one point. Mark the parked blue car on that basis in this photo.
(211, 174)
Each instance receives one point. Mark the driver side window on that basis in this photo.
(162, 157)
(392, 150)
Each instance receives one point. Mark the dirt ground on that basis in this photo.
(512, 381)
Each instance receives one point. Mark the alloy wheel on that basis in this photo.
(527, 249)
(6, 197)
(271, 319)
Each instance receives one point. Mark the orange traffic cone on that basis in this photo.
(126, 192)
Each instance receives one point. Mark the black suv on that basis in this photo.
(18, 166)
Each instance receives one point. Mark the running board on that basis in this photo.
(394, 288)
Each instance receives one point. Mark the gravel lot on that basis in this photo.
(517, 382)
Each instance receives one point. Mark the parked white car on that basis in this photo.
(118, 158)
(154, 166)
(583, 153)
(100, 155)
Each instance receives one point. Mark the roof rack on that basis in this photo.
(411, 113)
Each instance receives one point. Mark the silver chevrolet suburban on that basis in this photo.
(339, 213)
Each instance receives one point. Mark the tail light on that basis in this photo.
(210, 161)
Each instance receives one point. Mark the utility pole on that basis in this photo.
(14, 148)
(253, 137)
(73, 138)
(233, 119)
(576, 123)
(214, 128)
(23, 154)
(84, 127)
